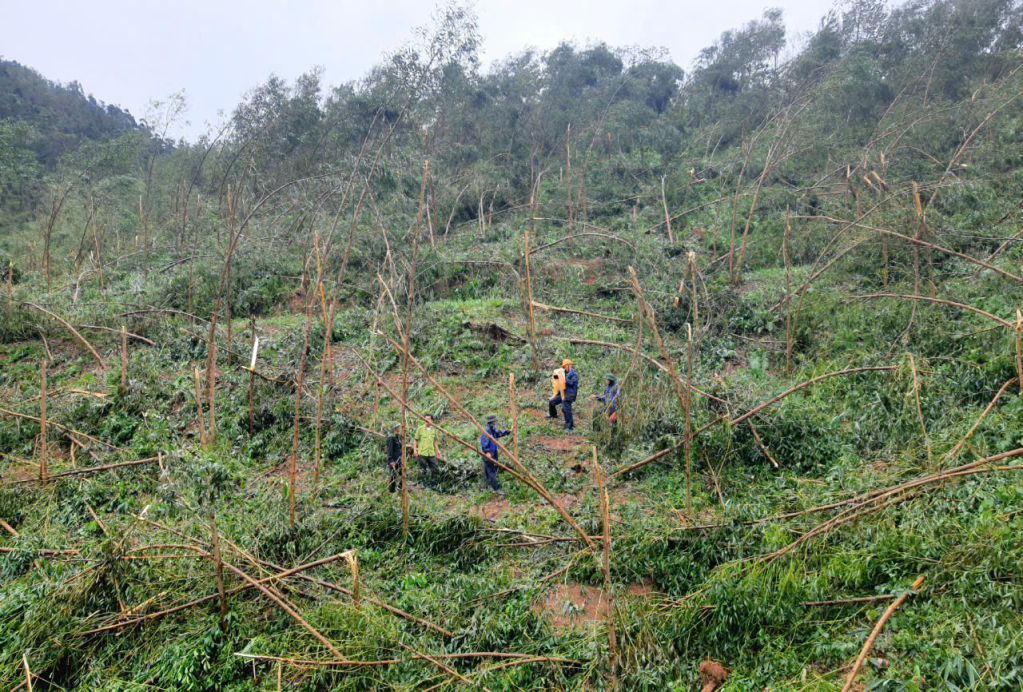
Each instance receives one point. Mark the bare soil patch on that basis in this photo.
(558, 444)
(574, 606)
(492, 510)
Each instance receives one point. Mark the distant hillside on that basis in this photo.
(62, 116)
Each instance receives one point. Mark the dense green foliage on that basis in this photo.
(790, 170)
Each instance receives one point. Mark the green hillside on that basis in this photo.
(799, 258)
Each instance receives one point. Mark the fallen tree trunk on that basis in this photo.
(91, 469)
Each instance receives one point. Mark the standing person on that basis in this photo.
(609, 398)
(393, 445)
(426, 447)
(567, 397)
(489, 447)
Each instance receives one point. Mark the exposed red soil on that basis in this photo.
(491, 511)
(566, 501)
(559, 444)
(643, 589)
(589, 604)
(712, 675)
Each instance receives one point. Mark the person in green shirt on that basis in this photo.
(426, 447)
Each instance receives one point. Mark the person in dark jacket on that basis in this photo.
(393, 445)
(568, 398)
(609, 398)
(490, 450)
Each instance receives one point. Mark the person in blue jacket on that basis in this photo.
(609, 398)
(568, 398)
(490, 451)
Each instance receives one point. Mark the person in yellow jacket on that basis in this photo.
(566, 387)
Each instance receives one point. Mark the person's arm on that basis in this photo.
(436, 447)
(502, 433)
(415, 445)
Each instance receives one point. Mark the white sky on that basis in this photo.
(128, 52)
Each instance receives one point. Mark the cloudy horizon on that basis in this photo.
(128, 54)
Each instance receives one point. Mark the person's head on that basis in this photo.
(396, 429)
(611, 380)
(567, 364)
(428, 418)
(491, 419)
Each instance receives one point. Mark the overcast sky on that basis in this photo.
(129, 52)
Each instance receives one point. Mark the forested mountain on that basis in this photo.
(799, 259)
(62, 116)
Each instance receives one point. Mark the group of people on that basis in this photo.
(565, 386)
(425, 445)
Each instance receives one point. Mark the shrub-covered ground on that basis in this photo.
(851, 344)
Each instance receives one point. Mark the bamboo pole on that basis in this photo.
(919, 243)
(78, 336)
(752, 412)
(59, 427)
(938, 301)
(95, 240)
(447, 669)
(1019, 353)
(606, 561)
(973, 428)
(980, 649)
(28, 673)
(124, 357)
(252, 373)
(529, 294)
(293, 473)
(554, 308)
(10, 291)
(198, 408)
(513, 404)
(145, 241)
(353, 564)
(211, 383)
(43, 444)
(281, 574)
(689, 425)
(788, 293)
(287, 609)
(321, 385)
(406, 337)
(876, 631)
(919, 410)
(227, 312)
(667, 218)
(760, 443)
(218, 564)
(652, 321)
(568, 172)
(565, 239)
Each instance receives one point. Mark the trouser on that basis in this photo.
(491, 470)
(394, 467)
(566, 406)
(428, 467)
